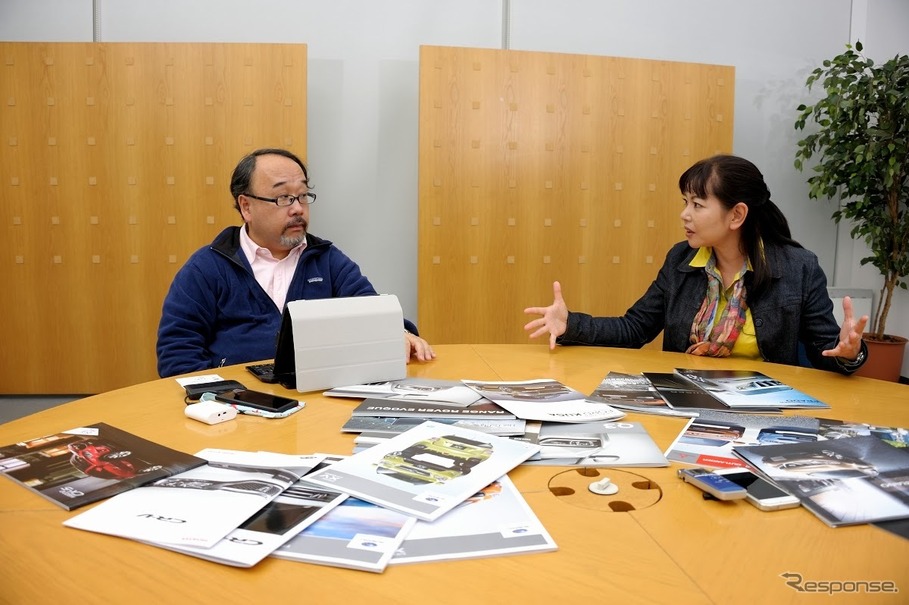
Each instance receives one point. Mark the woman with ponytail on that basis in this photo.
(739, 285)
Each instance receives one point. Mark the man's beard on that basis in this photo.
(289, 241)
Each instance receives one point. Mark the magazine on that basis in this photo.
(682, 394)
(86, 464)
(842, 481)
(367, 439)
(495, 521)
(545, 400)
(634, 393)
(749, 389)
(178, 510)
(451, 392)
(390, 426)
(296, 508)
(355, 535)
(428, 410)
(708, 440)
(839, 429)
(595, 444)
(426, 471)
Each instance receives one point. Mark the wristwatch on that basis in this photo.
(855, 363)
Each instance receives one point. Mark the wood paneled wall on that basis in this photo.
(115, 162)
(537, 167)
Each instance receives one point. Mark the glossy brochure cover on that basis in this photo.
(749, 388)
(450, 392)
(295, 509)
(426, 471)
(544, 399)
(89, 463)
(394, 426)
(708, 440)
(178, 510)
(493, 522)
(356, 535)
(609, 444)
(682, 394)
(842, 481)
(428, 410)
(634, 393)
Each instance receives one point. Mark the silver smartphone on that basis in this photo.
(716, 485)
(761, 493)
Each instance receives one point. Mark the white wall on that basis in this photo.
(883, 28)
(363, 84)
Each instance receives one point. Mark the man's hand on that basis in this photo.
(417, 348)
(554, 317)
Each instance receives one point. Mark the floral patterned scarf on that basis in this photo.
(714, 336)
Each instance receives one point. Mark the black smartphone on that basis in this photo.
(194, 391)
(258, 399)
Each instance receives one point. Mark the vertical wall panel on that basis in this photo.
(115, 161)
(543, 166)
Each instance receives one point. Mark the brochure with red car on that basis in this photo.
(86, 464)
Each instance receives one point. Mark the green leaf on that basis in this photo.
(859, 135)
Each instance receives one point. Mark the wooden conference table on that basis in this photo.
(673, 548)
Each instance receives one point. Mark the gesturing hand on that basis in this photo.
(851, 331)
(554, 317)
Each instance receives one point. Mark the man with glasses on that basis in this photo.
(225, 304)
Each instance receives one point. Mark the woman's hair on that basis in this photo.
(731, 180)
(239, 181)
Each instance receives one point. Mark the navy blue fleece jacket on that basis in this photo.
(216, 313)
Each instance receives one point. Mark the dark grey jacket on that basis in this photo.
(794, 307)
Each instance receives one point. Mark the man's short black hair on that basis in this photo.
(239, 181)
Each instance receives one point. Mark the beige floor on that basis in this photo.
(17, 406)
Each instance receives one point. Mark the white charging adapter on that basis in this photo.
(210, 412)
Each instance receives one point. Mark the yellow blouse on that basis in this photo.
(745, 345)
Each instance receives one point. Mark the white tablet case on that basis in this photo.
(347, 341)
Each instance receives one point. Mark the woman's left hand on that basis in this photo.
(850, 344)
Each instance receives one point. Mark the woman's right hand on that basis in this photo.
(554, 318)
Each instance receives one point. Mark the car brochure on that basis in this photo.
(89, 463)
(683, 394)
(451, 392)
(428, 410)
(594, 444)
(494, 521)
(839, 429)
(178, 510)
(544, 399)
(843, 481)
(634, 393)
(749, 389)
(355, 535)
(708, 439)
(296, 508)
(426, 471)
(393, 426)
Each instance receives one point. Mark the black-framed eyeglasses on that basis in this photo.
(283, 201)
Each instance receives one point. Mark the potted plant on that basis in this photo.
(861, 142)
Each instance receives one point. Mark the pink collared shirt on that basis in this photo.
(273, 274)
